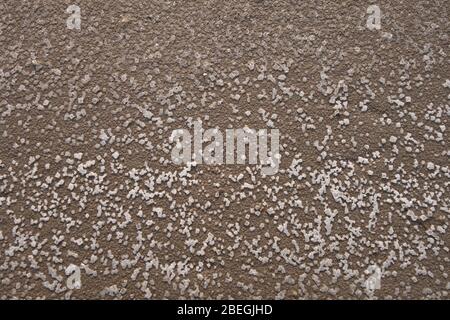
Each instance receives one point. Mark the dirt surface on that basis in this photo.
(92, 206)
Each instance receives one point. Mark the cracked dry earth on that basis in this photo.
(86, 177)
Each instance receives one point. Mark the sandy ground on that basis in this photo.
(91, 205)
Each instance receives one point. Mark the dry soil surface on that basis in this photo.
(92, 206)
